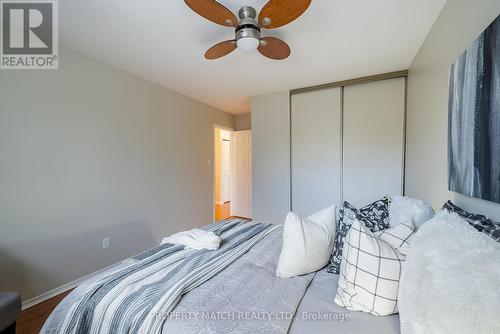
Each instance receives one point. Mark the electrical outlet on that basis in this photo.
(106, 243)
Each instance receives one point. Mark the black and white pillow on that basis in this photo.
(371, 269)
(374, 216)
(399, 236)
(480, 222)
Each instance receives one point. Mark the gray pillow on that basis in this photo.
(374, 216)
(480, 222)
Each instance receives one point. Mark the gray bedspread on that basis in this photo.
(247, 297)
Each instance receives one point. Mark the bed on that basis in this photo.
(247, 297)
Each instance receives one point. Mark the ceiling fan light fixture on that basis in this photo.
(248, 43)
(247, 37)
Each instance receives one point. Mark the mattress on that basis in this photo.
(318, 314)
(316, 311)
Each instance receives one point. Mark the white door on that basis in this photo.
(226, 168)
(373, 140)
(316, 150)
(241, 160)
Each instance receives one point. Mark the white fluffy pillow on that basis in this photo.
(404, 209)
(307, 243)
(451, 280)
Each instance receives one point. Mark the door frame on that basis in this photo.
(222, 127)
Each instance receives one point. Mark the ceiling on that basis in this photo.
(164, 41)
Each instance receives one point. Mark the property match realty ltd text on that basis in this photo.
(29, 35)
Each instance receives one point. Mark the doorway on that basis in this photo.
(222, 164)
(232, 174)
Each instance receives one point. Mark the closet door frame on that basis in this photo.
(342, 85)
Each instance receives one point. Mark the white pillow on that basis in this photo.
(451, 280)
(307, 243)
(404, 209)
(398, 237)
(370, 270)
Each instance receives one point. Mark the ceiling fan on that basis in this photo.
(275, 14)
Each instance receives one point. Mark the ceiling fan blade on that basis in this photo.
(220, 49)
(274, 48)
(213, 11)
(277, 13)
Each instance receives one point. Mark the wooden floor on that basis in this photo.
(33, 318)
(222, 211)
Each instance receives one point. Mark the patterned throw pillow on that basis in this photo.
(371, 268)
(480, 222)
(375, 216)
(399, 236)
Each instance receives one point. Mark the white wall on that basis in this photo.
(271, 157)
(458, 25)
(89, 151)
(242, 122)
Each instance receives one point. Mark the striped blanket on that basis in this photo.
(139, 297)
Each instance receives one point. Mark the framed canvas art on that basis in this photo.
(474, 118)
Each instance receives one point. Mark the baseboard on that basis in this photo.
(63, 288)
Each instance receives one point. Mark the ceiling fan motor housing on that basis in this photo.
(247, 25)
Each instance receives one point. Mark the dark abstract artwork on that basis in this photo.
(474, 118)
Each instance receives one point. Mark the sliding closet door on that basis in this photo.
(373, 140)
(315, 150)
